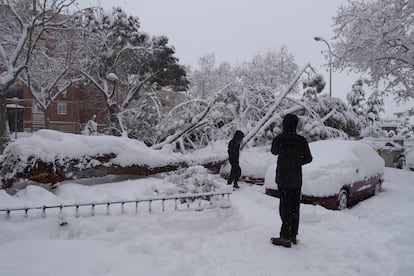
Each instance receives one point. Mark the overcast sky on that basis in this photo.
(236, 30)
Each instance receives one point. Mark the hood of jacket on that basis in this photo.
(290, 123)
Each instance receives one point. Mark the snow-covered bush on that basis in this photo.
(194, 180)
(404, 129)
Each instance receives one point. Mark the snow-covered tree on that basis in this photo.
(356, 97)
(123, 62)
(335, 116)
(186, 124)
(313, 86)
(404, 129)
(209, 76)
(249, 90)
(273, 69)
(22, 25)
(374, 106)
(376, 37)
(143, 116)
(52, 68)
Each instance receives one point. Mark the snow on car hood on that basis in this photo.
(335, 163)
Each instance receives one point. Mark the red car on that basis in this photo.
(342, 173)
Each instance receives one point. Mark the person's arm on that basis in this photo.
(307, 156)
(275, 146)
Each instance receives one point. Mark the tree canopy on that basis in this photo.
(123, 61)
(376, 37)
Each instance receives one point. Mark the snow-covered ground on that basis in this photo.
(375, 237)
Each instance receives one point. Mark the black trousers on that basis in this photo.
(235, 172)
(289, 212)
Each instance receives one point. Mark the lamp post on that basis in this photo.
(318, 38)
(15, 99)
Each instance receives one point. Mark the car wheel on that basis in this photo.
(342, 200)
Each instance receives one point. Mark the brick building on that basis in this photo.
(68, 114)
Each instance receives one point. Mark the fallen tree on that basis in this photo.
(51, 156)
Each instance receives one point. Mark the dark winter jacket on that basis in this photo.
(234, 147)
(293, 151)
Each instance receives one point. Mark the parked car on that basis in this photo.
(391, 151)
(341, 174)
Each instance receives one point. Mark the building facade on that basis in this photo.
(69, 113)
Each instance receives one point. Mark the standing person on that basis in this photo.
(234, 152)
(293, 151)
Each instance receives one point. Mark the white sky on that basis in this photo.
(236, 30)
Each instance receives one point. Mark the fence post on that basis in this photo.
(43, 211)
(107, 208)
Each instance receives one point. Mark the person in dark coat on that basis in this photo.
(234, 151)
(293, 151)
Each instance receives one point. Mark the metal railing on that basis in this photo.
(190, 201)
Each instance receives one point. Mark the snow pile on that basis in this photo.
(189, 181)
(195, 180)
(335, 163)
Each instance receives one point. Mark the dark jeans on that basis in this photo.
(234, 173)
(289, 212)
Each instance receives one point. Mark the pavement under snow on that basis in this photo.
(375, 237)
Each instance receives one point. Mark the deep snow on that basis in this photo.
(375, 237)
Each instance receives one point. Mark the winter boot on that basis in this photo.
(229, 181)
(236, 186)
(294, 240)
(281, 242)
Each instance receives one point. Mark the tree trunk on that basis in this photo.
(4, 130)
(46, 118)
(116, 129)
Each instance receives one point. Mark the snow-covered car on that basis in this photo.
(341, 174)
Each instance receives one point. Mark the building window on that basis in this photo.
(15, 93)
(61, 109)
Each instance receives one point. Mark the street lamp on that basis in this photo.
(16, 100)
(318, 38)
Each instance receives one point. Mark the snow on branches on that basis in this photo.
(376, 37)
